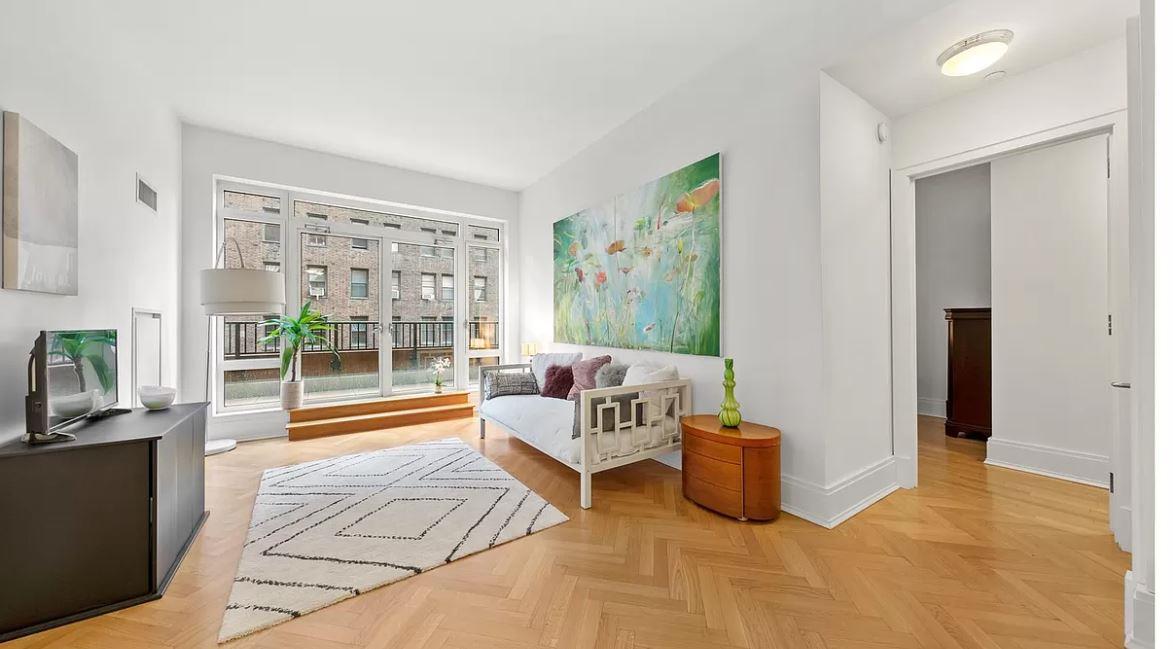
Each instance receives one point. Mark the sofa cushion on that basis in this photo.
(584, 374)
(499, 384)
(610, 375)
(541, 422)
(540, 362)
(559, 380)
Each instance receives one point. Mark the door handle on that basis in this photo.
(1123, 385)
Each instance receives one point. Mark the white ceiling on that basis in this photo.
(897, 72)
(494, 91)
(499, 92)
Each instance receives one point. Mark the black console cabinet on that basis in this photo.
(100, 523)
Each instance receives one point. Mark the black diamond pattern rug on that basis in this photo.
(324, 531)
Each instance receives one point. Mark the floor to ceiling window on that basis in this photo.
(400, 288)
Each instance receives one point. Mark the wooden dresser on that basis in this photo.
(967, 411)
(734, 471)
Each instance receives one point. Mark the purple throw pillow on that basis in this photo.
(559, 380)
(584, 374)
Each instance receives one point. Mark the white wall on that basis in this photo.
(127, 255)
(1084, 85)
(952, 269)
(760, 107)
(853, 191)
(1151, 279)
(207, 153)
(1050, 350)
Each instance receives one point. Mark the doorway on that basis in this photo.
(1035, 298)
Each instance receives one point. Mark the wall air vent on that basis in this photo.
(146, 194)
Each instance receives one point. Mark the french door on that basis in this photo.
(401, 293)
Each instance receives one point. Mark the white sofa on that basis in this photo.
(630, 423)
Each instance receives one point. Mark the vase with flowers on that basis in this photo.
(439, 367)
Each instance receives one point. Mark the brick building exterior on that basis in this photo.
(342, 277)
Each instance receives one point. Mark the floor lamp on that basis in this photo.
(235, 291)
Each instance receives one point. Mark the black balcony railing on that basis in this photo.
(243, 339)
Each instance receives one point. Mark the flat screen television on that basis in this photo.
(72, 374)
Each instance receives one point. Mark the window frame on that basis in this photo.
(366, 283)
(293, 226)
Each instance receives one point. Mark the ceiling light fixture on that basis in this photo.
(975, 53)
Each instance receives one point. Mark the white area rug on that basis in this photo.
(324, 531)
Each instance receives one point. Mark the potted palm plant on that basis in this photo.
(307, 328)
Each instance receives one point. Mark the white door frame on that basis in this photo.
(903, 261)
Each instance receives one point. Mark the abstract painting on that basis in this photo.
(40, 210)
(643, 269)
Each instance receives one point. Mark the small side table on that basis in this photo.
(734, 471)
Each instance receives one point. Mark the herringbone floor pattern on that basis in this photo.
(976, 557)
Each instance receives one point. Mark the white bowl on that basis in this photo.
(74, 405)
(156, 397)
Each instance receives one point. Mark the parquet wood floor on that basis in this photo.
(976, 557)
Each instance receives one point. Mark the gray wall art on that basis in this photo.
(40, 210)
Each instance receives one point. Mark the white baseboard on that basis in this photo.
(931, 407)
(906, 472)
(831, 505)
(1140, 615)
(1076, 466)
(1122, 529)
(248, 426)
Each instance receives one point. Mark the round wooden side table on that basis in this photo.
(734, 471)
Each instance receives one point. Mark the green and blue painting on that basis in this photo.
(643, 269)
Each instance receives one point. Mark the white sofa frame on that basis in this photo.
(603, 449)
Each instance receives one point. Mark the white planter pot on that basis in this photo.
(292, 394)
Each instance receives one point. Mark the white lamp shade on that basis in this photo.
(228, 291)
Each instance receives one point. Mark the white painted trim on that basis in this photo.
(906, 472)
(1075, 466)
(248, 426)
(1140, 615)
(831, 505)
(903, 260)
(930, 407)
(1124, 528)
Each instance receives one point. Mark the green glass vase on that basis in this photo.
(730, 414)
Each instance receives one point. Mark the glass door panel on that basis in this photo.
(484, 308)
(423, 301)
(340, 277)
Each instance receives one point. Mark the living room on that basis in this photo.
(649, 271)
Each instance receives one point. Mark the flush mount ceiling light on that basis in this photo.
(975, 53)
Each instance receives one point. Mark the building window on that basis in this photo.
(447, 287)
(481, 237)
(428, 251)
(359, 332)
(393, 226)
(479, 254)
(428, 286)
(316, 240)
(358, 242)
(271, 233)
(449, 233)
(316, 278)
(394, 285)
(272, 266)
(359, 279)
(478, 288)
